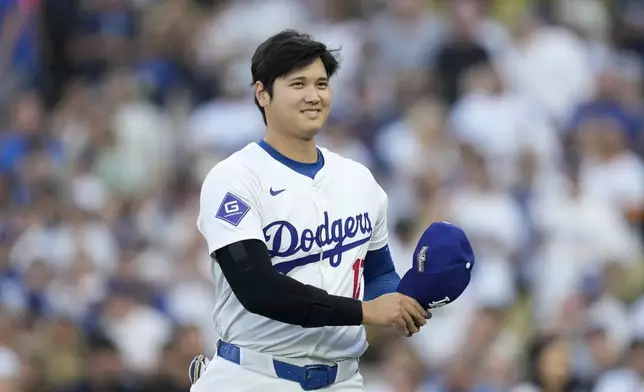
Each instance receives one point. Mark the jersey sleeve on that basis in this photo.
(228, 209)
(380, 234)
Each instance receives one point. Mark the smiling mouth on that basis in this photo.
(311, 114)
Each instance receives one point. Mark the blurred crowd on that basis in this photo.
(522, 121)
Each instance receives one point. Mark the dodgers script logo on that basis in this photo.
(285, 240)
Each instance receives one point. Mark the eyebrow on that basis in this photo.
(303, 78)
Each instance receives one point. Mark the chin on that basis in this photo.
(310, 129)
(310, 133)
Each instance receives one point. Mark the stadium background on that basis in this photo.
(521, 121)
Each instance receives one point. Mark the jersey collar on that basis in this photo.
(305, 169)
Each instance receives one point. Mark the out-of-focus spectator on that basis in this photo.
(385, 59)
(19, 46)
(549, 367)
(493, 221)
(103, 369)
(549, 65)
(584, 230)
(504, 127)
(607, 160)
(10, 369)
(628, 377)
(461, 50)
(400, 371)
(137, 329)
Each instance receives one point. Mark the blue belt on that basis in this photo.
(310, 377)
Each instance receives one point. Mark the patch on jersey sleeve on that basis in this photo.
(232, 209)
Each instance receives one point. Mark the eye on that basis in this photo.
(323, 85)
(297, 84)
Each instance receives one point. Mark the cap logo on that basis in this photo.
(421, 258)
(438, 304)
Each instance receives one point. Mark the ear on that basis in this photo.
(261, 94)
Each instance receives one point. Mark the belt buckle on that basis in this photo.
(315, 377)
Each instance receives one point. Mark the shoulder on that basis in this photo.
(348, 167)
(242, 168)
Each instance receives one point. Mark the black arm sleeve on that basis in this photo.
(262, 290)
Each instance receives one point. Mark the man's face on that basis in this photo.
(300, 101)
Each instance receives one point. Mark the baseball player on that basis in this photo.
(298, 240)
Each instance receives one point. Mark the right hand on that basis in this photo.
(395, 309)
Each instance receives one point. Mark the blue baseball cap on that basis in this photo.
(442, 266)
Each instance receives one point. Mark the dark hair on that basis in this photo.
(637, 344)
(536, 348)
(99, 342)
(286, 52)
(540, 344)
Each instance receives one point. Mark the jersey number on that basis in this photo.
(358, 267)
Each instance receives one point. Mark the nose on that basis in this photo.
(313, 97)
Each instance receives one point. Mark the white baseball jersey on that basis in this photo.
(318, 229)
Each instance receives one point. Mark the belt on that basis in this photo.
(310, 377)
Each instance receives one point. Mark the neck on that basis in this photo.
(299, 150)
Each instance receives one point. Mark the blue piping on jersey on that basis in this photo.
(305, 169)
(380, 275)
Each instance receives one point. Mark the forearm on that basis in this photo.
(263, 291)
